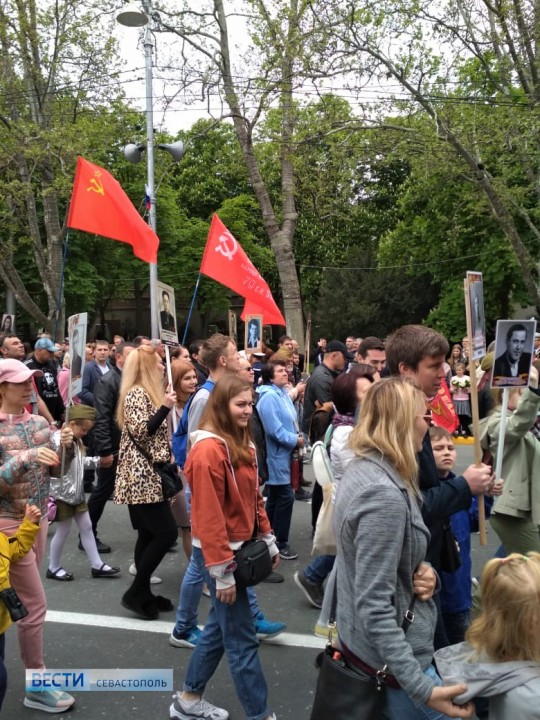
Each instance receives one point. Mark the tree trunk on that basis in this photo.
(281, 239)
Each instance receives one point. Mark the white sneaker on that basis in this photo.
(195, 710)
(154, 580)
(51, 701)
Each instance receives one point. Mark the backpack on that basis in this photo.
(320, 459)
(180, 436)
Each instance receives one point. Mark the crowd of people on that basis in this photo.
(235, 430)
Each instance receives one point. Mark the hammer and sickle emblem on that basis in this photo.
(96, 185)
(229, 251)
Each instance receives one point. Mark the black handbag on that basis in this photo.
(344, 692)
(171, 484)
(450, 557)
(253, 563)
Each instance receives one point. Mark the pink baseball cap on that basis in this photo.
(14, 371)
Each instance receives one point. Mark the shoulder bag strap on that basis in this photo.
(140, 448)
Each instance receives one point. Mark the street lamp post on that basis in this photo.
(131, 16)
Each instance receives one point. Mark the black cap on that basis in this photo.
(337, 346)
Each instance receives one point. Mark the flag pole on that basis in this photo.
(191, 308)
(61, 288)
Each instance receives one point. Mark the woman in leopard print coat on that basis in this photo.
(142, 412)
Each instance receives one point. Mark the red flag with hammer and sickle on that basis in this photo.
(99, 205)
(225, 261)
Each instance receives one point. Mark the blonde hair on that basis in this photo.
(508, 627)
(386, 426)
(140, 370)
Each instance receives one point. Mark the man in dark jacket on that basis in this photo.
(106, 438)
(94, 371)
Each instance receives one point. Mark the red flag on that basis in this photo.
(269, 318)
(99, 205)
(443, 412)
(225, 261)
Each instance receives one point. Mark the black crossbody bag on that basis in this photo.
(171, 484)
(253, 561)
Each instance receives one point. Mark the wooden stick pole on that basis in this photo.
(169, 381)
(475, 416)
(502, 431)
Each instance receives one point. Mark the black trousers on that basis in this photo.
(101, 493)
(156, 532)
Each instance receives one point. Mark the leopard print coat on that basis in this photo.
(137, 483)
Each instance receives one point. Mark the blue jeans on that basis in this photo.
(398, 706)
(230, 630)
(319, 568)
(187, 612)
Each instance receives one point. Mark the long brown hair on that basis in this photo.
(508, 627)
(216, 418)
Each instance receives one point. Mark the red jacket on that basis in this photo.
(223, 501)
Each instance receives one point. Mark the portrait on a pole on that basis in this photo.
(168, 331)
(8, 325)
(475, 286)
(514, 348)
(233, 326)
(77, 326)
(253, 333)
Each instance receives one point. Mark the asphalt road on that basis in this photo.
(87, 628)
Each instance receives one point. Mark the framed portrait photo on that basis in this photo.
(514, 351)
(253, 333)
(475, 291)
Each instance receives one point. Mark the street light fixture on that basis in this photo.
(132, 16)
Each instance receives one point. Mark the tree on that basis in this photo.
(472, 68)
(444, 226)
(286, 52)
(56, 64)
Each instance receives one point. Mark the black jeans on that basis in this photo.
(156, 532)
(101, 493)
(279, 508)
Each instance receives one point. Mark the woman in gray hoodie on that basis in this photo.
(382, 541)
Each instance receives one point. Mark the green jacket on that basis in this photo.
(521, 458)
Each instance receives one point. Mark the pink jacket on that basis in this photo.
(22, 479)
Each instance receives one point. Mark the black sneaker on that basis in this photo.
(302, 494)
(274, 577)
(313, 591)
(286, 553)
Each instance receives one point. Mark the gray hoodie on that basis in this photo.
(513, 688)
